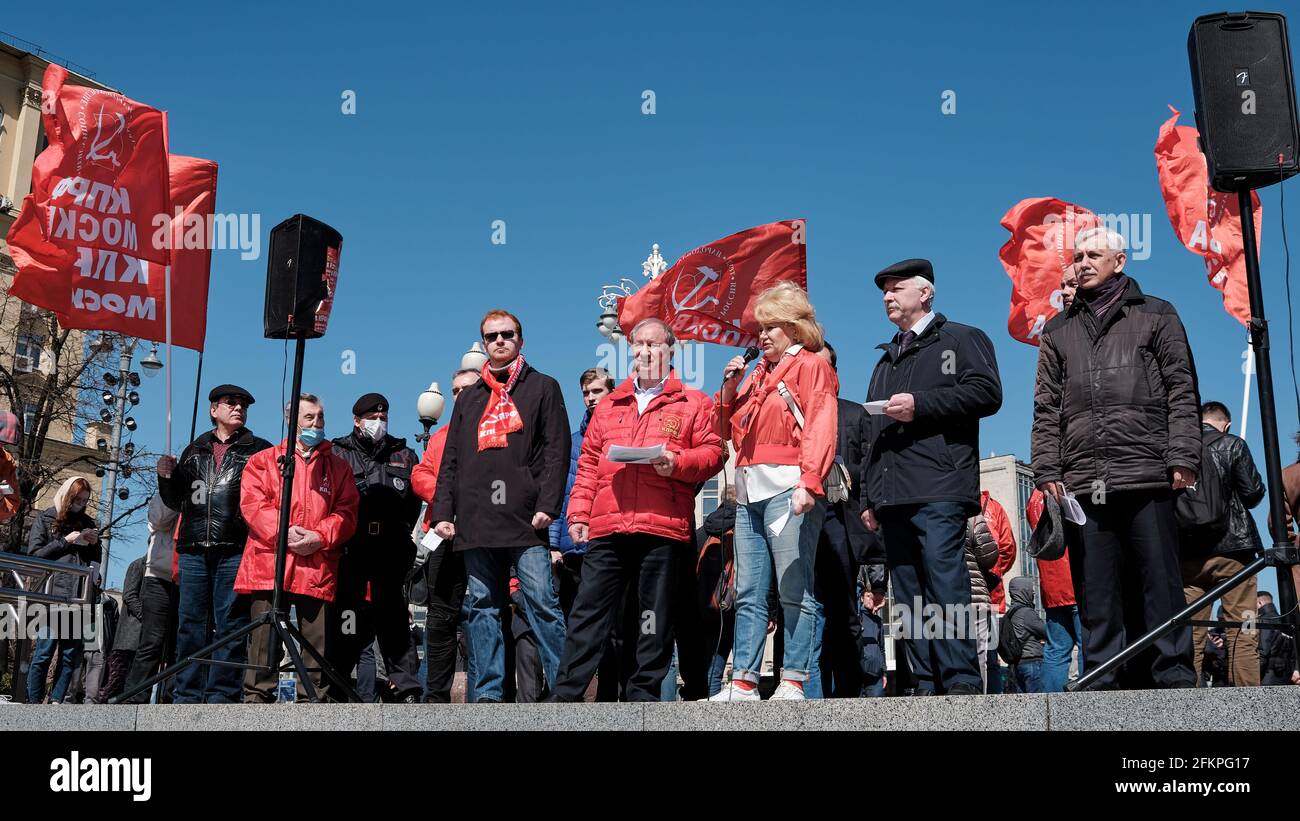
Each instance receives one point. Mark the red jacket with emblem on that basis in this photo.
(613, 498)
(325, 501)
(763, 429)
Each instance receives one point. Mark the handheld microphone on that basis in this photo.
(751, 353)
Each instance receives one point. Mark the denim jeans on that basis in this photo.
(1064, 633)
(487, 570)
(812, 687)
(69, 659)
(208, 609)
(792, 553)
(1029, 676)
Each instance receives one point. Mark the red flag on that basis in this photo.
(1040, 251)
(1208, 222)
(708, 294)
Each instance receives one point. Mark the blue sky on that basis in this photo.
(532, 114)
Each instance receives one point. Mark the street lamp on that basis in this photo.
(429, 406)
(151, 363)
(607, 325)
(474, 359)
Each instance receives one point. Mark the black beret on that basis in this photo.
(906, 268)
(370, 402)
(229, 390)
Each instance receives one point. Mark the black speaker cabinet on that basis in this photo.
(1245, 98)
(301, 276)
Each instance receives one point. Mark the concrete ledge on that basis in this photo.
(1257, 708)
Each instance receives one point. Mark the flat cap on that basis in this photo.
(229, 390)
(368, 403)
(906, 268)
(1048, 540)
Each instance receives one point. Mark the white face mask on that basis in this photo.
(374, 429)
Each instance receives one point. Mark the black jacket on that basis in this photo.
(952, 373)
(389, 505)
(491, 495)
(1029, 628)
(864, 546)
(1117, 402)
(1245, 490)
(1275, 656)
(209, 510)
(44, 543)
(131, 618)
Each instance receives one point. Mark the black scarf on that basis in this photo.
(1100, 299)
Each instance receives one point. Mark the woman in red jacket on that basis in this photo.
(638, 518)
(322, 516)
(780, 465)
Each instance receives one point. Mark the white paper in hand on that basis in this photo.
(432, 541)
(634, 456)
(1072, 510)
(779, 525)
(876, 408)
(6, 489)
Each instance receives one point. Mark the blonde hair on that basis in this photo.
(787, 304)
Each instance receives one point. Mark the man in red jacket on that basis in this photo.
(1064, 630)
(322, 517)
(637, 518)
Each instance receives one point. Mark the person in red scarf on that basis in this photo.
(500, 485)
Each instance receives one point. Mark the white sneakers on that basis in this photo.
(730, 692)
(786, 691)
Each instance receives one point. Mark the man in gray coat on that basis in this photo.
(1117, 421)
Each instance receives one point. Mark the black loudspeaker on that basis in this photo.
(301, 277)
(1245, 98)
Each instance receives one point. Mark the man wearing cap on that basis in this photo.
(204, 487)
(371, 602)
(920, 474)
(1117, 422)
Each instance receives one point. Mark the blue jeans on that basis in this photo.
(1064, 633)
(792, 552)
(488, 569)
(1029, 676)
(209, 608)
(69, 653)
(812, 688)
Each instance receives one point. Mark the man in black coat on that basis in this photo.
(1117, 421)
(920, 470)
(376, 559)
(204, 485)
(500, 485)
(1206, 563)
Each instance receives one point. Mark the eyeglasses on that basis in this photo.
(492, 336)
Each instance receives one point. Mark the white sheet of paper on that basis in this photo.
(779, 525)
(876, 408)
(431, 540)
(634, 456)
(1072, 510)
(6, 489)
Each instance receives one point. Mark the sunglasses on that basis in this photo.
(493, 336)
(233, 402)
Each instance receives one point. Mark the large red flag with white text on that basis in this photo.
(1208, 222)
(708, 294)
(1040, 251)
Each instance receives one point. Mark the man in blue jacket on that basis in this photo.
(920, 470)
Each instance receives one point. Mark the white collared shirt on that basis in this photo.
(921, 324)
(644, 395)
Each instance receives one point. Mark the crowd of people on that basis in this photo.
(565, 566)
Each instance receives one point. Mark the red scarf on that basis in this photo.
(500, 417)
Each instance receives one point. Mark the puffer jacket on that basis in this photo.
(325, 500)
(764, 431)
(559, 531)
(613, 498)
(44, 543)
(1115, 403)
(1245, 490)
(210, 511)
(981, 557)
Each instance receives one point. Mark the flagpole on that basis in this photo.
(167, 311)
(1245, 390)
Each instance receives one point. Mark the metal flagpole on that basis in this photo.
(1245, 389)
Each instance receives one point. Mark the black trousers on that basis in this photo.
(835, 584)
(616, 662)
(694, 650)
(355, 622)
(1131, 534)
(610, 564)
(157, 634)
(445, 578)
